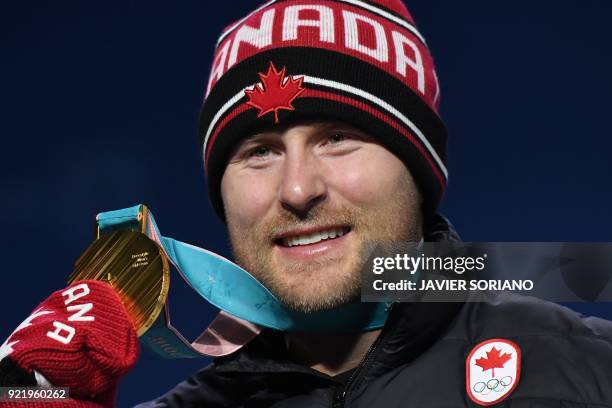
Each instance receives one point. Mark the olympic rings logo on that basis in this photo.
(493, 385)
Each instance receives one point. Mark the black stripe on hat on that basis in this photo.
(332, 66)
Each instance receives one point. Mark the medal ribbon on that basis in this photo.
(246, 305)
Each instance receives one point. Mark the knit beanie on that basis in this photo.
(362, 62)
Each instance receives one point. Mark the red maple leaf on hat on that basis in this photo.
(275, 92)
(493, 360)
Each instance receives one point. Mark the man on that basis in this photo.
(320, 133)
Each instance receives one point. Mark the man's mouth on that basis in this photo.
(311, 236)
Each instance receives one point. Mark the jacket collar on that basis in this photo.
(412, 327)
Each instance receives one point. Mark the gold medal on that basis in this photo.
(136, 268)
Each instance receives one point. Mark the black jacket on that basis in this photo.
(419, 360)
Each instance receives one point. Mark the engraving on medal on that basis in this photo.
(141, 259)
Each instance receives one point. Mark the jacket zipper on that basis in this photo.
(340, 394)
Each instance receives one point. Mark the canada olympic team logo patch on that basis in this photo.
(492, 371)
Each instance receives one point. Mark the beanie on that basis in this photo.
(362, 62)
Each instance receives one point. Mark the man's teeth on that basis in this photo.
(313, 238)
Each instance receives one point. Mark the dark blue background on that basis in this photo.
(99, 108)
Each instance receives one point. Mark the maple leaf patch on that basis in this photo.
(494, 359)
(275, 92)
(503, 358)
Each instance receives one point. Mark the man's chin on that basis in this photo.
(314, 291)
(312, 304)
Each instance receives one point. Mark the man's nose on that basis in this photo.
(302, 185)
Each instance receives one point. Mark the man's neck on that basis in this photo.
(329, 353)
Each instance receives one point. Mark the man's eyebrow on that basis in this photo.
(257, 137)
(250, 140)
(344, 127)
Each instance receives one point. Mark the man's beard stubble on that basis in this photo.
(296, 285)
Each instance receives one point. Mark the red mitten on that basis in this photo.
(80, 338)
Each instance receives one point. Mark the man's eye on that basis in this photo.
(260, 151)
(336, 138)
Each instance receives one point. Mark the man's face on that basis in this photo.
(300, 203)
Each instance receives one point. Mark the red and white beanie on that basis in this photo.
(362, 62)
